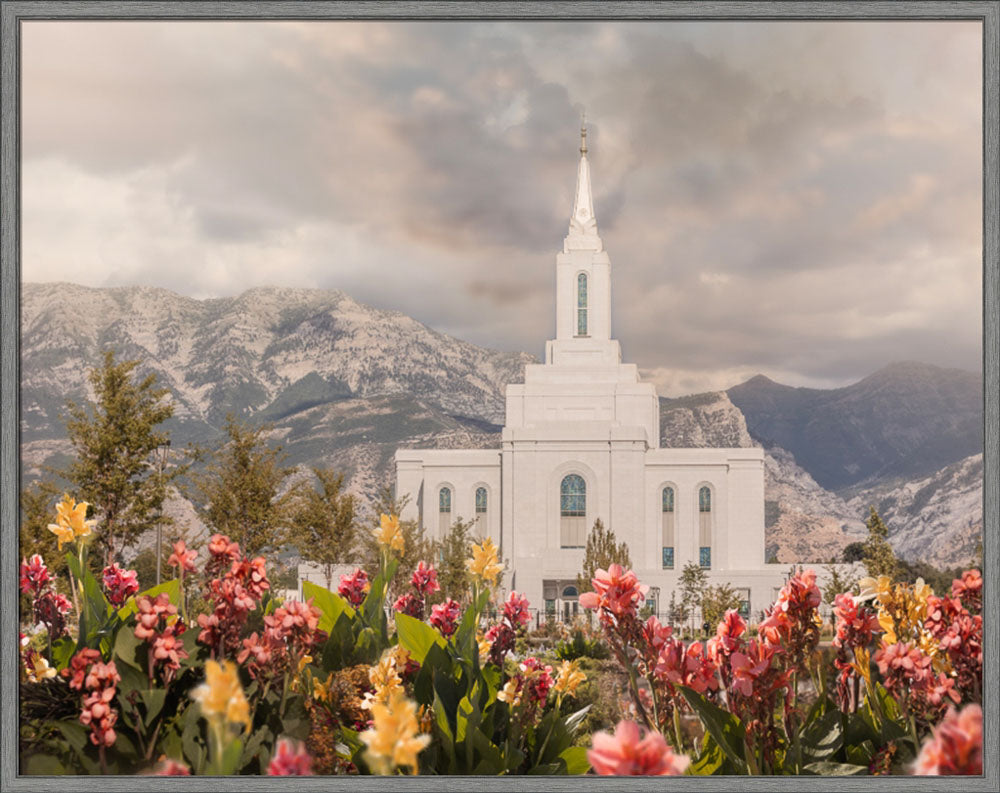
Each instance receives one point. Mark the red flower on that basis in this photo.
(501, 638)
(956, 745)
(120, 584)
(538, 680)
(290, 759)
(409, 604)
(625, 754)
(51, 608)
(87, 670)
(297, 624)
(424, 580)
(34, 575)
(515, 610)
(856, 622)
(182, 558)
(354, 587)
(444, 616)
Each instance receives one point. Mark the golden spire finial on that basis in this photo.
(583, 132)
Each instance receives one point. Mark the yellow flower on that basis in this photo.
(384, 678)
(568, 678)
(862, 664)
(71, 522)
(484, 648)
(394, 740)
(321, 689)
(221, 696)
(484, 563)
(41, 671)
(511, 693)
(389, 535)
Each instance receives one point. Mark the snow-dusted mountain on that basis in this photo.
(345, 385)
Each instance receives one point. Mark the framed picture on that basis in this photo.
(492, 389)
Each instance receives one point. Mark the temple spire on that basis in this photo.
(582, 223)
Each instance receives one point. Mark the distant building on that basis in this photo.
(582, 442)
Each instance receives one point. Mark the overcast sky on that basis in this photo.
(798, 199)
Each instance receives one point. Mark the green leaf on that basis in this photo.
(171, 587)
(712, 760)
(127, 648)
(861, 754)
(574, 720)
(44, 764)
(330, 604)
(576, 760)
(62, 650)
(725, 727)
(417, 637)
(822, 738)
(836, 769)
(153, 699)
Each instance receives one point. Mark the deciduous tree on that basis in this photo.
(323, 520)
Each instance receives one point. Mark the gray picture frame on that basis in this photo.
(13, 13)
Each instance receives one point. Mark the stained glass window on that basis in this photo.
(480, 499)
(573, 496)
(581, 304)
(668, 558)
(704, 500)
(444, 500)
(668, 499)
(705, 557)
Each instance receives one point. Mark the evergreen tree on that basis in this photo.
(716, 601)
(854, 552)
(115, 441)
(241, 488)
(602, 551)
(38, 510)
(837, 584)
(453, 552)
(693, 581)
(323, 522)
(879, 558)
(678, 614)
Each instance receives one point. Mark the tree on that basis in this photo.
(879, 558)
(323, 522)
(837, 584)
(454, 550)
(241, 489)
(855, 552)
(115, 441)
(678, 613)
(602, 551)
(693, 581)
(716, 601)
(38, 510)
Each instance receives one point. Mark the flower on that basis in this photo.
(169, 767)
(511, 692)
(409, 604)
(354, 587)
(969, 589)
(120, 584)
(182, 558)
(727, 636)
(956, 745)
(616, 590)
(384, 678)
(484, 564)
(221, 696)
(394, 740)
(568, 678)
(424, 580)
(624, 754)
(40, 669)
(71, 523)
(444, 616)
(515, 611)
(34, 575)
(290, 759)
(389, 535)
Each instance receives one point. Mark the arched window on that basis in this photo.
(705, 526)
(581, 304)
(668, 528)
(570, 592)
(573, 512)
(482, 511)
(444, 511)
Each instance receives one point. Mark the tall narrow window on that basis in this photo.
(705, 527)
(444, 512)
(581, 304)
(482, 514)
(668, 528)
(573, 512)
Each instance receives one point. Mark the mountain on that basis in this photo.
(905, 420)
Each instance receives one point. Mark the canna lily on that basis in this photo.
(624, 754)
(385, 679)
(484, 563)
(389, 535)
(221, 696)
(394, 740)
(568, 678)
(71, 523)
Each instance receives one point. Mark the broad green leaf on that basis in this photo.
(712, 760)
(171, 587)
(62, 650)
(822, 737)
(861, 754)
(417, 637)
(574, 720)
(725, 727)
(836, 769)
(44, 764)
(153, 699)
(330, 604)
(127, 646)
(576, 760)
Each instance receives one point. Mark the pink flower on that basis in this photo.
(515, 611)
(956, 745)
(150, 611)
(856, 622)
(969, 589)
(444, 616)
(182, 558)
(296, 623)
(424, 580)
(728, 634)
(538, 679)
(680, 666)
(624, 754)
(750, 668)
(900, 659)
(120, 584)
(615, 590)
(34, 575)
(354, 587)
(290, 759)
(168, 767)
(655, 634)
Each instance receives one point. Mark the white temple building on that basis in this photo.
(581, 442)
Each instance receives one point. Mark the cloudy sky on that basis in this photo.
(798, 199)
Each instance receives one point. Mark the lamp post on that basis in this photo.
(162, 451)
